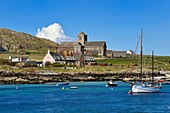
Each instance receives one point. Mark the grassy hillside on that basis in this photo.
(19, 42)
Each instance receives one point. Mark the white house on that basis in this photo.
(130, 52)
(18, 59)
(53, 57)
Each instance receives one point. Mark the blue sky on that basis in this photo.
(118, 22)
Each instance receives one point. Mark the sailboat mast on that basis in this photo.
(152, 66)
(141, 54)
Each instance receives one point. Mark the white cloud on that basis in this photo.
(54, 32)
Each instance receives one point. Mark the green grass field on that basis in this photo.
(118, 64)
(160, 62)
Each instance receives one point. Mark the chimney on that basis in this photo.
(10, 57)
(48, 51)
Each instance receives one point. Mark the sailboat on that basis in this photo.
(145, 87)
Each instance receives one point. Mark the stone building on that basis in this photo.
(119, 54)
(66, 48)
(82, 45)
(109, 53)
(95, 48)
(116, 54)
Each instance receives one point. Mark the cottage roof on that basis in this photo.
(96, 44)
(57, 56)
(119, 51)
(2, 49)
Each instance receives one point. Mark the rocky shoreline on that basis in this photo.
(42, 77)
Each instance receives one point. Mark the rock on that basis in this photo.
(7, 77)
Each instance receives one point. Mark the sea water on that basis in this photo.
(90, 97)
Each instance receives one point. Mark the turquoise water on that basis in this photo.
(90, 97)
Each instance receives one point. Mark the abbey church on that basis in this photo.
(95, 48)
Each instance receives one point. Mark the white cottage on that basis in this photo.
(53, 57)
(18, 59)
(130, 52)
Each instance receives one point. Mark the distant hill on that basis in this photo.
(12, 40)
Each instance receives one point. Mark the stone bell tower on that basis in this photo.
(82, 38)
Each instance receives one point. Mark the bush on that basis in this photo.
(3, 61)
(62, 65)
(136, 64)
(29, 65)
(58, 65)
(47, 64)
(28, 53)
(34, 52)
(12, 63)
(6, 62)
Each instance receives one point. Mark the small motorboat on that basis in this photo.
(111, 83)
(62, 83)
(74, 87)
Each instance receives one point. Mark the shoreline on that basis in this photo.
(43, 77)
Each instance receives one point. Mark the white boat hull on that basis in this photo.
(145, 89)
(167, 75)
